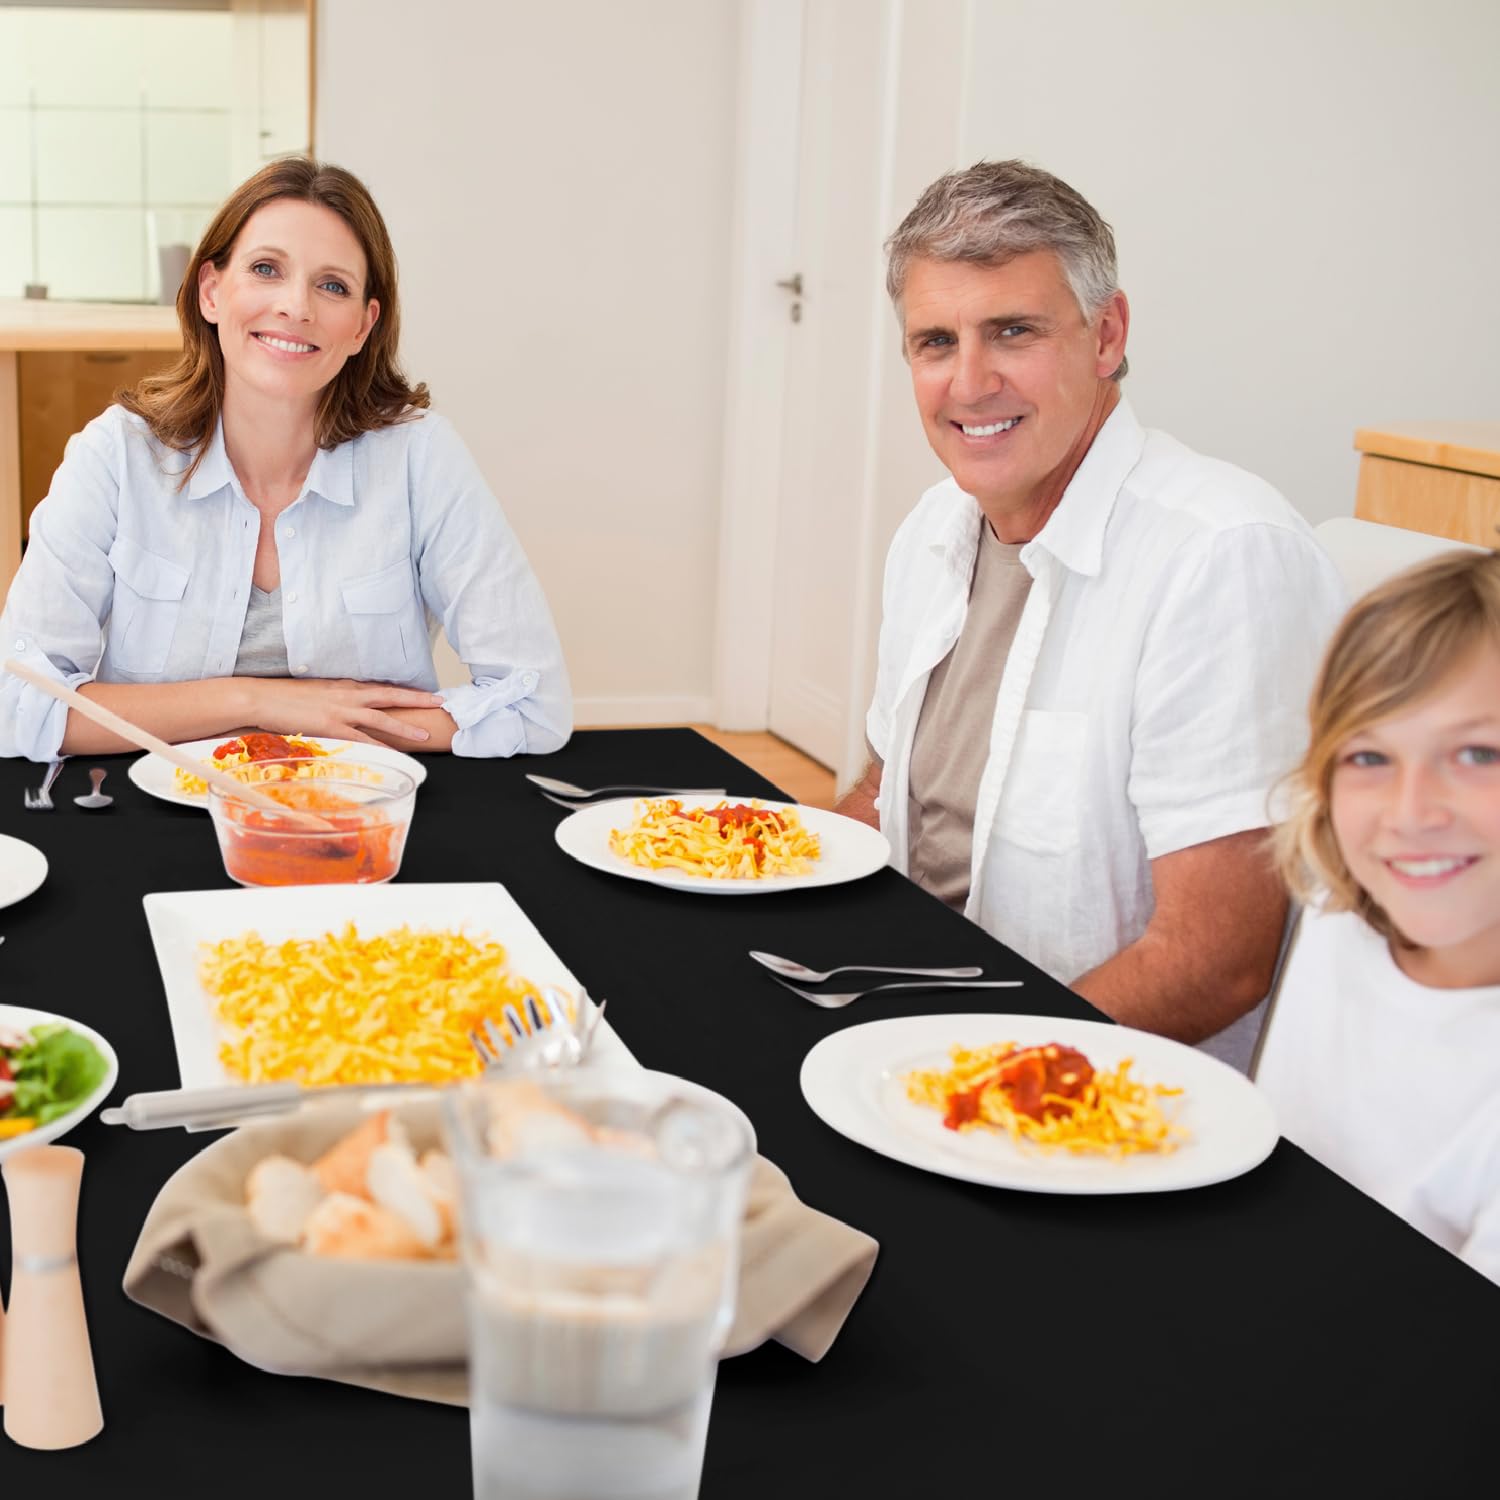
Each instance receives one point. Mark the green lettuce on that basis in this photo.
(55, 1074)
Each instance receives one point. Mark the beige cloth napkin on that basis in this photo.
(398, 1326)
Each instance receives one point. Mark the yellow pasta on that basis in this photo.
(1065, 1104)
(746, 841)
(196, 786)
(393, 1008)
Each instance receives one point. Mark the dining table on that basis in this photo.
(1278, 1333)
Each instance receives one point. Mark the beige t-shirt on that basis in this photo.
(953, 732)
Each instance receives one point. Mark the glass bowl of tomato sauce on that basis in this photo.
(344, 823)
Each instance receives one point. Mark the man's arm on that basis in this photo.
(1209, 951)
(859, 801)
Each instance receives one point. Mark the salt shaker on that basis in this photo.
(50, 1393)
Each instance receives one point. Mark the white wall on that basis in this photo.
(1306, 199)
(557, 183)
(1304, 196)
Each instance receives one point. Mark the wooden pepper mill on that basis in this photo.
(47, 1382)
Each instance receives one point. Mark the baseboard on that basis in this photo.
(627, 711)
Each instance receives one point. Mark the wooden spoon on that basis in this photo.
(227, 785)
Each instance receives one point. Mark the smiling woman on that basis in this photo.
(267, 533)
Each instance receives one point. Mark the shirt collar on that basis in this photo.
(213, 472)
(1074, 532)
(331, 474)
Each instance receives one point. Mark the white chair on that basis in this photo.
(1367, 553)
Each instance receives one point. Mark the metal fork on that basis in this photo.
(834, 1002)
(41, 799)
(545, 1039)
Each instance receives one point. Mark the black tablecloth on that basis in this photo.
(1278, 1334)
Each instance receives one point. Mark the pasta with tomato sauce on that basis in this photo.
(742, 841)
(1049, 1096)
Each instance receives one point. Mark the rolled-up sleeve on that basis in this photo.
(60, 598)
(476, 580)
(1221, 694)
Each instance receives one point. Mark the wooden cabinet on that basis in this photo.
(60, 392)
(60, 363)
(1439, 477)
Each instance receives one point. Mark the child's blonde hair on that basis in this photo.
(1393, 647)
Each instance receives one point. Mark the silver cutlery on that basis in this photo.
(789, 968)
(41, 799)
(95, 798)
(542, 1040)
(217, 1108)
(584, 794)
(834, 1002)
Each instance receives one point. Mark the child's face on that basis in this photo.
(1415, 806)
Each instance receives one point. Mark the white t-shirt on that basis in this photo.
(1155, 690)
(1392, 1085)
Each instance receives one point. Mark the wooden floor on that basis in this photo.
(798, 775)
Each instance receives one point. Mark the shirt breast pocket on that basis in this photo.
(383, 620)
(146, 607)
(1039, 803)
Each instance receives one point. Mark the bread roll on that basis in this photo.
(397, 1183)
(342, 1168)
(355, 1228)
(280, 1194)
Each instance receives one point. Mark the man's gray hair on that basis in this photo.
(997, 210)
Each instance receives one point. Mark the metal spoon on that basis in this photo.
(567, 789)
(793, 970)
(95, 798)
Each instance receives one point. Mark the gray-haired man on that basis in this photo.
(1096, 644)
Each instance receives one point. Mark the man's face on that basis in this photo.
(1011, 379)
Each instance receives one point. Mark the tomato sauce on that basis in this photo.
(262, 849)
(257, 747)
(739, 817)
(1034, 1078)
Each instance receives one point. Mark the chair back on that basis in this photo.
(1367, 553)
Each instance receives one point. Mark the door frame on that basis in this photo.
(763, 241)
(764, 245)
(919, 132)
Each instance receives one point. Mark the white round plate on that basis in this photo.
(854, 1082)
(851, 850)
(154, 775)
(23, 867)
(23, 1018)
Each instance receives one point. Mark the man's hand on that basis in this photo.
(339, 708)
(1209, 951)
(859, 801)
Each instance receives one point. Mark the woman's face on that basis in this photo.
(1415, 805)
(290, 303)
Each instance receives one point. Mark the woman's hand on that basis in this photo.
(338, 708)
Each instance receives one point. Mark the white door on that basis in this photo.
(824, 440)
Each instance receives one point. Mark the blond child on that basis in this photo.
(1383, 1054)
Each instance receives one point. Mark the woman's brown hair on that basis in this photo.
(1395, 646)
(181, 405)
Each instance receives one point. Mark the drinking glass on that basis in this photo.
(601, 1212)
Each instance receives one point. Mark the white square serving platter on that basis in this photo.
(182, 921)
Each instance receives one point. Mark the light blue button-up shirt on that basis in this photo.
(129, 578)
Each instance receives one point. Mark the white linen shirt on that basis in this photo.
(128, 578)
(1390, 1083)
(1156, 688)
